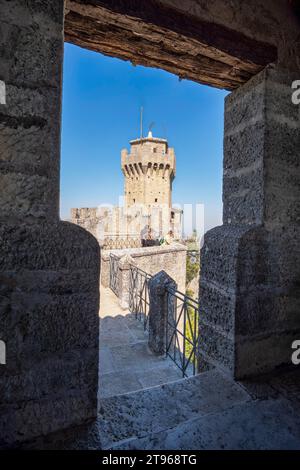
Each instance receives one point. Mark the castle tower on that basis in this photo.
(149, 170)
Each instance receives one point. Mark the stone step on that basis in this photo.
(208, 411)
(134, 416)
(122, 382)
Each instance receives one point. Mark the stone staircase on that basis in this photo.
(208, 411)
(145, 404)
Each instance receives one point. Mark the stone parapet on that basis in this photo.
(171, 258)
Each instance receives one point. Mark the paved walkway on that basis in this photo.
(209, 411)
(126, 364)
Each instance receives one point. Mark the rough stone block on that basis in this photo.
(244, 149)
(37, 56)
(216, 347)
(161, 310)
(28, 195)
(32, 150)
(262, 353)
(216, 307)
(219, 257)
(51, 332)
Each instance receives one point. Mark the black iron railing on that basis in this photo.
(182, 325)
(182, 331)
(114, 273)
(139, 294)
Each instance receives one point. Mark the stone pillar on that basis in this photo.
(250, 266)
(124, 280)
(105, 269)
(49, 277)
(159, 311)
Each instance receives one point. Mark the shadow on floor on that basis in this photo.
(126, 364)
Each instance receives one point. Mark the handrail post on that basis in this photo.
(124, 280)
(159, 311)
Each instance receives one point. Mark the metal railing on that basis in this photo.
(182, 331)
(139, 294)
(114, 278)
(182, 325)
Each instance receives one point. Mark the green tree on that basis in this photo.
(192, 329)
(192, 269)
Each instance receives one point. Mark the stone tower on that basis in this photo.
(149, 170)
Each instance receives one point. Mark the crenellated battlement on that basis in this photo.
(149, 170)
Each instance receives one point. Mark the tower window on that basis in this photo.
(133, 200)
(154, 150)
(156, 199)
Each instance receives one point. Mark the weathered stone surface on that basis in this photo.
(165, 407)
(161, 310)
(52, 347)
(171, 258)
(261, 413)
(51, 335)
(31, 66)
(49, 280)
(126, 364)
(125, 263)
(250, 265)
(264, 426)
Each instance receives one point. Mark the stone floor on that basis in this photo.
(126, 364)
(209, 411)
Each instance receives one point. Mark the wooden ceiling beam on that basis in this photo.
(181, 44)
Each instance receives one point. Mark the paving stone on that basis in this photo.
(213, 413)
(105, 361)
(252, 426)
(164, 407)
(159, 375)
(113, 384)
(135, 356)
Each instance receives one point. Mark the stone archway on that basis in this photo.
(50, 276)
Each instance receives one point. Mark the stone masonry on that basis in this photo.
(49, 279)
(249, 288)
(149, 170)
(250, 266)
(151, 260)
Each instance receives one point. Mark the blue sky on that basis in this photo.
(102, 97)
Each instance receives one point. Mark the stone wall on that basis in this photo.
(49, 276)
(250, 266)
(171, 259)
(49, 269)
(118, 227)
